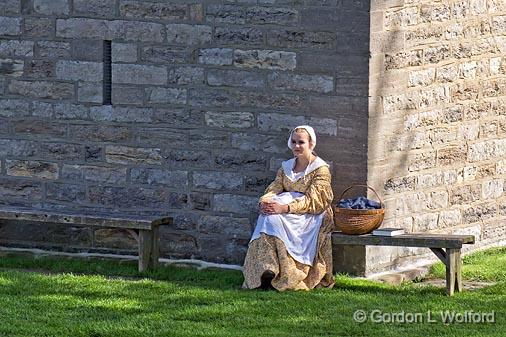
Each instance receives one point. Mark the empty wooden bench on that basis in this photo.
(446, 247)
(147, 227)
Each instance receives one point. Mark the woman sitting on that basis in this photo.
(290, 247)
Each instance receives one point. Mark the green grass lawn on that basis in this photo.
(75, 297)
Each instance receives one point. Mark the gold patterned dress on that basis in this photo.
(269, 253)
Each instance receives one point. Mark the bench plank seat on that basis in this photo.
(148, 226)
(406, 240)
(446, 247)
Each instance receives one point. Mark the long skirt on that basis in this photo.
(268, 253)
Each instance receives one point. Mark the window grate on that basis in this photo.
(107, 80)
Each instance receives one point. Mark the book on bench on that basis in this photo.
(388, 231)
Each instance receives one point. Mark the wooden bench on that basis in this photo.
(446, 247)
(147, 227)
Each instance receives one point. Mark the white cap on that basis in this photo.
(309, 130)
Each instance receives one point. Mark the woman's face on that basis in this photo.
(301, 145)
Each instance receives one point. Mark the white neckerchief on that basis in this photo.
(288, 165)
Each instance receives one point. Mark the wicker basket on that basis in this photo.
(358, 221)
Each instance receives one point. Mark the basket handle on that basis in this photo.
(369, 187)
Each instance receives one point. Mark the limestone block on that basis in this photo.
(166, 55)
(135, 197)
(234, 78)
(443, 135)
(127, 94)
(131, 155)
(123, 52)
(51, 7)
(13, 48)
(400, 184)
(11, 68)
(66, 192)
(234, 203)
(90, 92)
(477, 110)
(229, 119)
(39, 128)
(289, 38)
(312, 83)
(166, 95)
(152, 10)
(424, 35)
(53, 49)
(265, 59)
(38, 27)
(499, 25)
(79, 71)
(422, 119)
(237, 160)
(145, 176)
(257, 184)
(41, 69)
(37, 169)
(223, 13)
(484, 150)
(279, 122)
(452, 155)
(238, 36)
(187, 158)
(439, 178)
(138, 74)
(221, 98)
(402, 17)
(479, 212)
(404, 59)
(450, 218)
(41, 89)
(266, 144)
(468, 69)
(437, 200)
(186, 75)
(422, 77)
(213, 139)
(20, 188)
(225, 226)
(216, 56)
(187, 34)
(101, 133)
(447, 73)
(271, 15)
(95, 8)
(421, 161)
(108, 30)
(425, 222)
(10, 7)
(177, 245)
(488, 129)
(42, 109)
(217, 180)
(10, 26)
(465, 194)
(156, 136)
(492, 189)
(70, 111)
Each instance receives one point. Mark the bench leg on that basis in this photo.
(148, 249)
(155, 250)
(458, 271)
(453, 271)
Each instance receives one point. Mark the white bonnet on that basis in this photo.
(309, 130)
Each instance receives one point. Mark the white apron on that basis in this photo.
(299, 232)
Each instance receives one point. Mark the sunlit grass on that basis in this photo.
(76, 297)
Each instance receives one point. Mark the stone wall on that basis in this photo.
(203, 95)
(437, 143)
